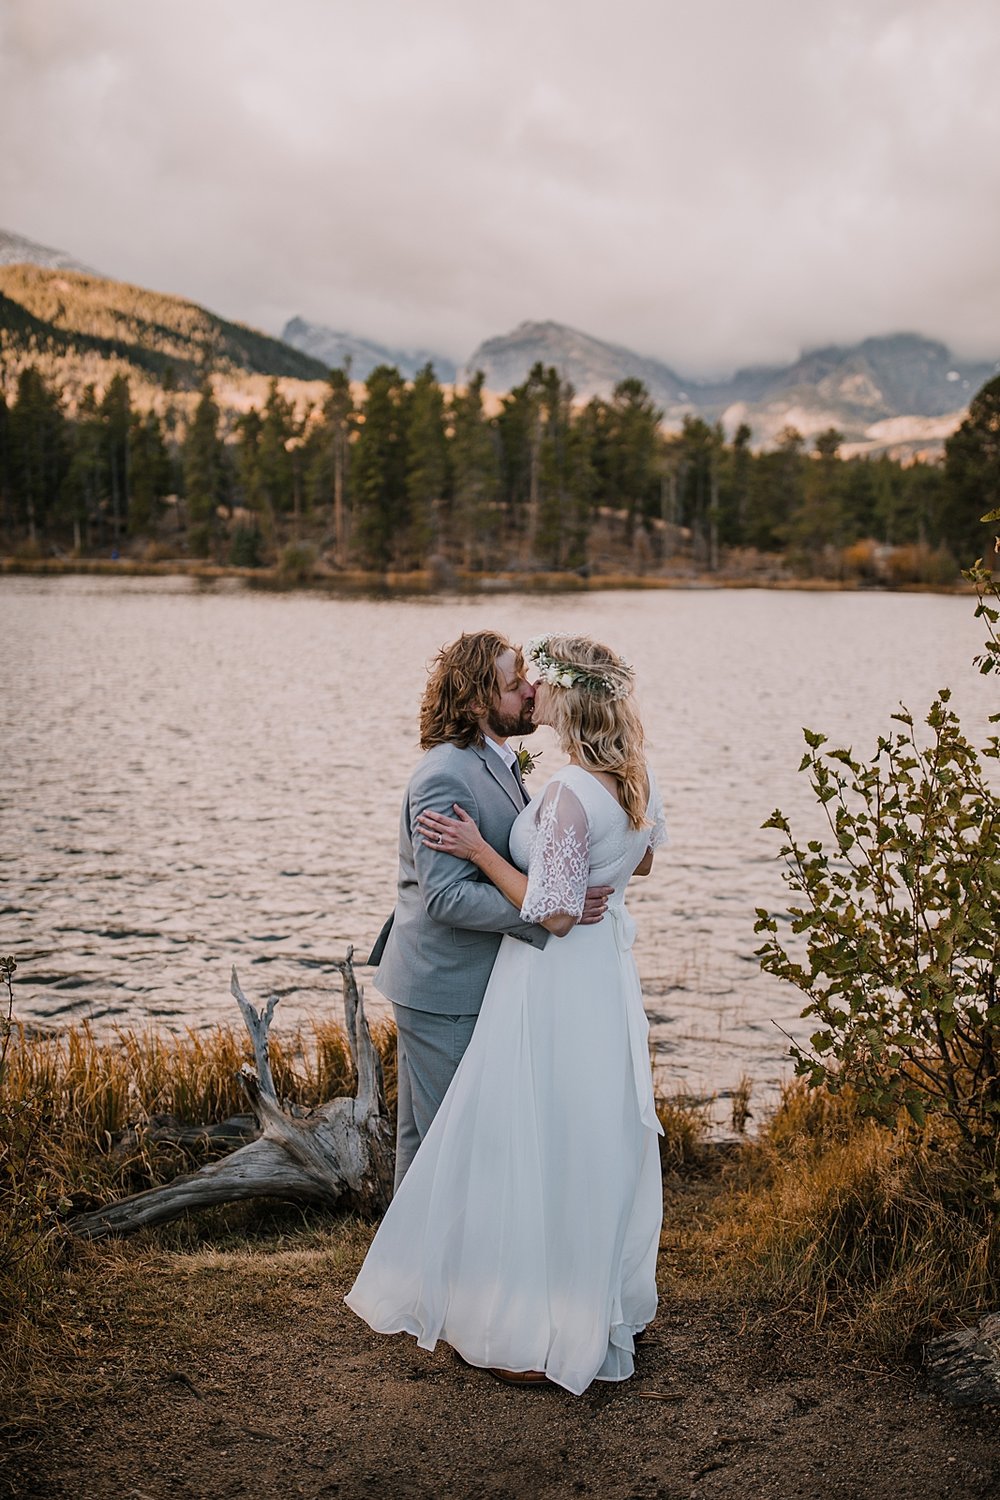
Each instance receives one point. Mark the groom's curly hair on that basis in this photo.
(462, 683)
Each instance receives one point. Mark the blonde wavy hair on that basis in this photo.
(462, 684)
(599, 726)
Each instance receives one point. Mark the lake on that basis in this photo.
(199, 776)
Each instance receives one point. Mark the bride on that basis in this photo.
(525, 1232)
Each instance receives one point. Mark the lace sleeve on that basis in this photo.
(558, 858)
(658, 824)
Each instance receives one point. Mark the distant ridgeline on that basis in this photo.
(138, 423)
(901, 393)
(79, 329)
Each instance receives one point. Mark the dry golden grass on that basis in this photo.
(71, 1101)
(95, 1087)
(875, 1233)
(871, 1234)
(685, 1133)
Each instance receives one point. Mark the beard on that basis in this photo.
(504, 725)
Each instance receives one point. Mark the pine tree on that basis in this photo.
(426, 466)
(339, 422)
(85, 490)
(924, 496)
(776, 491)
(206, 473)
(595, 425)
(475, 467)
(150, 473)
(520, 428)
(883, 516)
(555, 510)
(694, 457)
(735, 470)
(817, 526)
(582, 482)
(6, 478)
(634, 451)
(972, 474)
(379, 466)
(38, 453)
(115, 412)
(248, 491)
(276, 464)
(249, 535)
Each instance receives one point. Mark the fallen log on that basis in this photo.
(340, 1154)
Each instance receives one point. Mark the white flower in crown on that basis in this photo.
(567, 674)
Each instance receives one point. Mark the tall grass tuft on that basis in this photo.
(97, 1088)
(877, 1233)
(685, 1133)
(27, 1214)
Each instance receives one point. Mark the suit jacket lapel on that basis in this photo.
(500, 774)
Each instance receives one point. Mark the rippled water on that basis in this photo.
(199, 777)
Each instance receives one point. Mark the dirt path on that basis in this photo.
(208, 1375)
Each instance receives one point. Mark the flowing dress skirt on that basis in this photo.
(526, 1231)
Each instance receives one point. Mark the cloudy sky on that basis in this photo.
(712, 182)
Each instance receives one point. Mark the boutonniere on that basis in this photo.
(526, 762)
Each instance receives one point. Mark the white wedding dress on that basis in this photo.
(526, 1230)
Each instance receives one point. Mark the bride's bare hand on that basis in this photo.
(458, 835)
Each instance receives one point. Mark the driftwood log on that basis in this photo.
(340, 1154)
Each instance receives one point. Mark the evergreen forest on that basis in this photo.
(398, 476)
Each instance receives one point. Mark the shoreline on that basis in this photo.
(425, 582)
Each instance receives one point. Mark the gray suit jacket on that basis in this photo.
(437, 949)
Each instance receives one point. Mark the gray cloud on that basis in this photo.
(709, 181)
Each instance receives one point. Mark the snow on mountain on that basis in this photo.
(16, 250)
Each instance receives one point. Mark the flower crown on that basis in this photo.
(614, 684)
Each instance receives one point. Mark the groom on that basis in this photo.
(436, 951)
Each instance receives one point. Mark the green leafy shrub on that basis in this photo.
(900, 917)
(297, 562)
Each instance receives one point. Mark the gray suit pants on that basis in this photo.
(429, 1049)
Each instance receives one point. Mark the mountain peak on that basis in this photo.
(591, 366)
(334, 347)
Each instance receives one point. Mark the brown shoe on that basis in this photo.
(521, 1377)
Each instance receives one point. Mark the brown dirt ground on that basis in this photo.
(208, 1373)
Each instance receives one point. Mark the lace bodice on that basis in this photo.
(575, 834)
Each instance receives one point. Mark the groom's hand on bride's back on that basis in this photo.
(595, 903)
